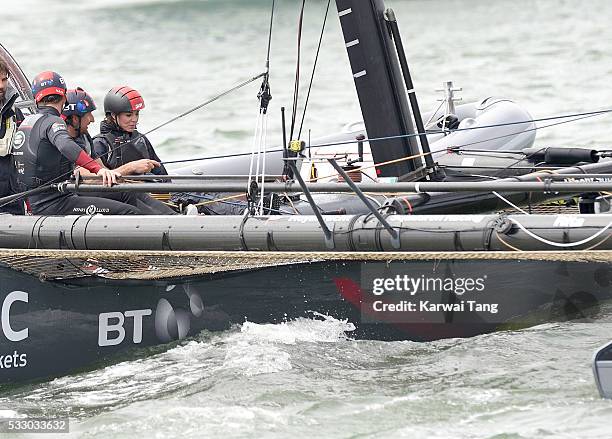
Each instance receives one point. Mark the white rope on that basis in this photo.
(429, 122)
(257, 169)
(256, 132)
(560, 244)
(508, 202)
(258, 165)
(263, 168)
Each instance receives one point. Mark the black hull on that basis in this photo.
(69, 325)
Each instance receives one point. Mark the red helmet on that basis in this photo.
(48, 83)
(78, 103)
(123, 99)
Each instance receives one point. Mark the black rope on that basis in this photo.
(314, 67)
(578, 116)
(296, 87)
(374, 139)
(265, 95)
(203, 104)
(270, 38)
(541, 149)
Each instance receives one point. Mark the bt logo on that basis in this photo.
(170, 323)
(105, 327)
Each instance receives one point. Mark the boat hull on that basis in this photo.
(51, 328)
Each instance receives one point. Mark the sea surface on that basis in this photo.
(308, 378)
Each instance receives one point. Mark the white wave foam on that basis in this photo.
(10, 414)
(261, 348)
(328, 330)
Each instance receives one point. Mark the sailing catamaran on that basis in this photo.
(420, 251)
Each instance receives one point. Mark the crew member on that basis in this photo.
(10, 117)
(119, 142)
(50, 155)
(78, 114)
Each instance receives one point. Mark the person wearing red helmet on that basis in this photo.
(78, 114)
(119, 142)
(49, 154)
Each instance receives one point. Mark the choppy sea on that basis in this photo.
(308, 377)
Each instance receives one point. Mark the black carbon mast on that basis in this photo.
(380, 88)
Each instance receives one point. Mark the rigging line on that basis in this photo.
(258, 170)
(485, 152)
(263, 165)
(270, 39)
(49, 183)
(560, 244)
(203, 104)
(255, 133)
(262, 124)
(296, 87)
(348, 142)
(509, 203)
(314, 67)
(429, 122)
(524, 131)
(516, 249)
(577, 116)
(528, 156)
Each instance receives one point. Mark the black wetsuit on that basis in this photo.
(48, 154)
(10, 118)
(147, 204)
(106, 146)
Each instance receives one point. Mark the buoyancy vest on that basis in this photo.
(8, 126)
(123, 149)
(36, 159)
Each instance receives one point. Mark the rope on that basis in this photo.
(270, 38)
(389, 162)
(126, 264)
(577, 255)
(403, 136)
(263, 167)
(561, 244)
(296, 87)
(314, 67)
(508, 202)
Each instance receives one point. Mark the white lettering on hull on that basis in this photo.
(7, 329)
(106, 328)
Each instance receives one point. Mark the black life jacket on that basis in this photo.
(36, 159)
(123, 149)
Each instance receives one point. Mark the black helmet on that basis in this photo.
(78, 103)
(123, 99)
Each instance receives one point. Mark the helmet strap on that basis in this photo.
(114, 119)
(76, 126)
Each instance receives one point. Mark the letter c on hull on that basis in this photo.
(10, 334)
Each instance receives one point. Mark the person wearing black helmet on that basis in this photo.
(10, 118)
(119, 142)
(49, 154)
(78, 114)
